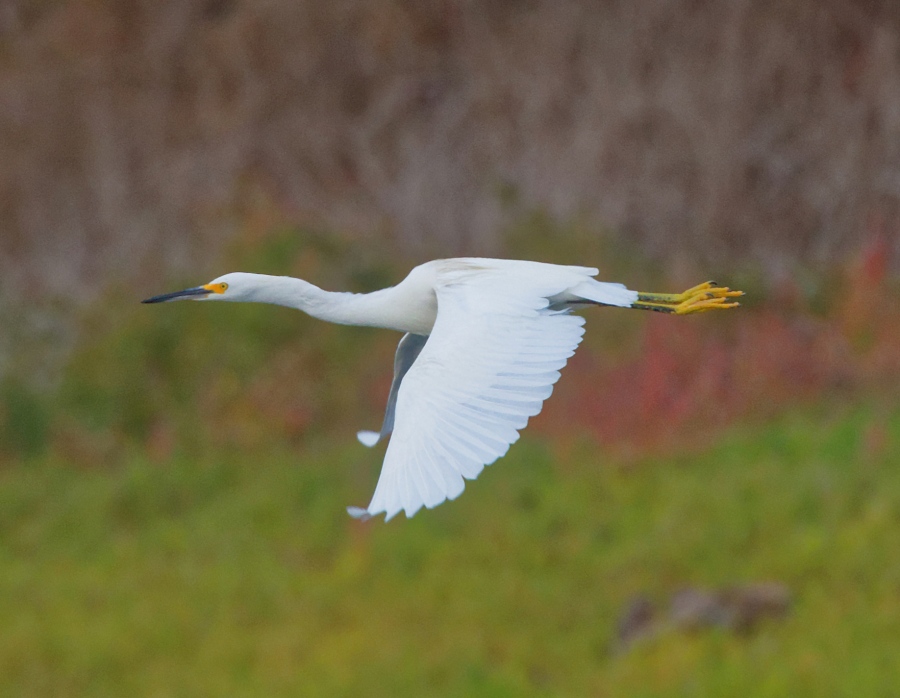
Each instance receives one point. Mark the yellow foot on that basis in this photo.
(699, 299)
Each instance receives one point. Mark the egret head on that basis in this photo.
(236, 286)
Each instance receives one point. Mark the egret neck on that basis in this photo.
(404, 307)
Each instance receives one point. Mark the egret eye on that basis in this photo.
(224, 287)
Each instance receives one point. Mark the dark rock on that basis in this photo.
(739, 609)
(638, 621)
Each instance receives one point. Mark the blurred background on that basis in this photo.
(706, 506)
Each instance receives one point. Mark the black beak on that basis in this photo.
(187, 293)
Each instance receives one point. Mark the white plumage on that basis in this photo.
(491, 360)
(486, 339)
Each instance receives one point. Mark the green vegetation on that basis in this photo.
(240, 574)
(172, 509)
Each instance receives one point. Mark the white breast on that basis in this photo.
(413, 303)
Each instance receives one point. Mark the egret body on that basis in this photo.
(484, 341)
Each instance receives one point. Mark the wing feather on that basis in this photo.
(493, 356)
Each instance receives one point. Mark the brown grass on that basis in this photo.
(134, 135)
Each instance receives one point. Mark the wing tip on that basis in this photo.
(368, 438)
(359, 513)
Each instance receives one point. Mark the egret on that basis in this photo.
(484, 341)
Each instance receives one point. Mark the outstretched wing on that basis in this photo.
(490, 362)
(407, 351)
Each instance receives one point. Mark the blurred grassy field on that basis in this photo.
(241, 575)
(172, 507)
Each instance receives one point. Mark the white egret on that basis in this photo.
(483, 345)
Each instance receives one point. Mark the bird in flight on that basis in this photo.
(484, 341)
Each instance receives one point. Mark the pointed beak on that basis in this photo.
(201, 291)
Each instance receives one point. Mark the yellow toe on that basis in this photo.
(700, 298)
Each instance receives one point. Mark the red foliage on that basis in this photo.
(692, 376)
